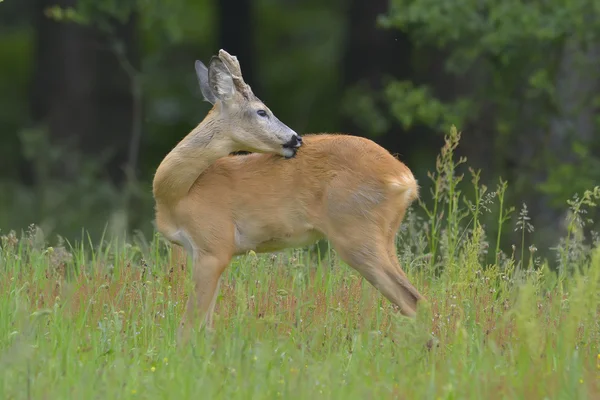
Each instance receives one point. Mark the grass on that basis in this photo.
(99, 320)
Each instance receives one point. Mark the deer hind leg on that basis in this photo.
(391, 241)
(368, 252)
(361, 226)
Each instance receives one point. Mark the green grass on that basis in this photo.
(99, 320)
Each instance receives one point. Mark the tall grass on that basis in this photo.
(99, 320)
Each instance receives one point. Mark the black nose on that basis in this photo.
(295, 142)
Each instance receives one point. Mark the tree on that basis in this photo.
(370, 55)
(81, 93)
(236, 34)
(373, 57)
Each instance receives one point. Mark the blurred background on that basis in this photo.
(94, 93)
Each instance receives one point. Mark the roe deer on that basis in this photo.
(289, 192)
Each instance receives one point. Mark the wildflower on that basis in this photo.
(293, 370)
(133, 391)
(581, 381)
(166, 360)
(153, 369)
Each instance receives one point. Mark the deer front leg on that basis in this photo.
(206, 276)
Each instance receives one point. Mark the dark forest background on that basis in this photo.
(94, 93)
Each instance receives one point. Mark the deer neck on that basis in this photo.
(189, 159)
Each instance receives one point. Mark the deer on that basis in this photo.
(287, 191)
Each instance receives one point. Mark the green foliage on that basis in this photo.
(164, 18)
(16, 50)
(529, 66)
(68, 207)
(412, 104)
(360, 103)
(586, 169)
(445, 192)
(299, 45)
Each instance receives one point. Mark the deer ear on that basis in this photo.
(202, 74)
(220, 80)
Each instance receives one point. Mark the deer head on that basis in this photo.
(243, 117)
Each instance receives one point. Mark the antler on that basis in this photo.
(233, 65)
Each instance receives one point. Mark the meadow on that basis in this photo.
(98, 320)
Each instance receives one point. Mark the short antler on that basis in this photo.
(236, 72)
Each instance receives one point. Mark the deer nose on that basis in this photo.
(295, 142)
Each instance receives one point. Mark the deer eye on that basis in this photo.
(262, 113)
